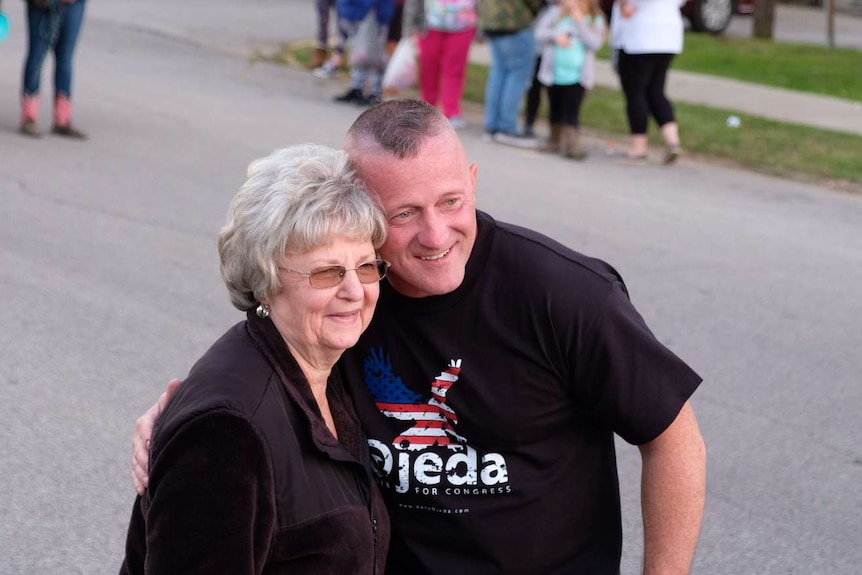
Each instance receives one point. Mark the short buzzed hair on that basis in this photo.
(295, 200)
(398, 127)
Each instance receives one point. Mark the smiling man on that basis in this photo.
(496, 370)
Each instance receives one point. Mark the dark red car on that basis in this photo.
(711, 16)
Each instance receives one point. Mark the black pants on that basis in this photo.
(643, 77)
(565, 103)
(534, 96)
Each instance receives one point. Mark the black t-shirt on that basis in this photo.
(491, 410)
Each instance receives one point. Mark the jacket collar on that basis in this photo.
(347, 447)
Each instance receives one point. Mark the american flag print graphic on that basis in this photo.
(433, 421)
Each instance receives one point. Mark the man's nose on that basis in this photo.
(434, 231)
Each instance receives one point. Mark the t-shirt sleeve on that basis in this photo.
(634, 383)
(210, 507)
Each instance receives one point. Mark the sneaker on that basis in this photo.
(371, 100)
(327, 70)
(626, 160)
(352, 96)
(516, 139)
(578, 154)
(671, 154)
(68, 131)
(488, 135)
(622, 156)
(528, 131)
(458, 122)
(29, 128)
(318, 59)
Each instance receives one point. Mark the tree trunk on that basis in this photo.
(764, 19)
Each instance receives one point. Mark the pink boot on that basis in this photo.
(63, 119)
(29, 116)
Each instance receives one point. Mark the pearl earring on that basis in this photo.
(262, 311)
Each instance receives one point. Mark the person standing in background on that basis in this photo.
(648, 34)
(508, 26)
(445, 29)
(570, 33)
(51, 24)
(366, 78)
(533, 99)
(395, 27)
(321, 52)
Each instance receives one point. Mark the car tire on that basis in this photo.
(712, 16)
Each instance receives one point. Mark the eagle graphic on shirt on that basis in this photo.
(432, 420)
(428, 458)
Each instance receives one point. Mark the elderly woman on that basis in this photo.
(258, 464)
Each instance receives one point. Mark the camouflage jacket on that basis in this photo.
(507, 15)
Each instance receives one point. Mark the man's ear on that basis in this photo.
(474, 174)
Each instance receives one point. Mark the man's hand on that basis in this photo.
(141, 438)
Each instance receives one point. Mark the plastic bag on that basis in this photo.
(368, 49)
(402, 71)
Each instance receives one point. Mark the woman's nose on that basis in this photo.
(350, 286)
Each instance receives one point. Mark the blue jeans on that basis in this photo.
(512, 60)
(56, 28)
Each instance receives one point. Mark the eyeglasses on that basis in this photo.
(330, 276)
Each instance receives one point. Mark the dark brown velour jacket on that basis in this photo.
(245, 477)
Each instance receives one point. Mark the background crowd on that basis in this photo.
(537, 47)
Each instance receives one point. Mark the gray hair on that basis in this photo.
(399, 127)
(295, 200)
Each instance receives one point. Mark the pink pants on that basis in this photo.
(443, 68)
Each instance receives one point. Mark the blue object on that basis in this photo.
(55, 30)
(4, 26)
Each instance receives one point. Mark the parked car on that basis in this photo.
(711, 16)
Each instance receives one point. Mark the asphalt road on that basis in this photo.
(109, 286)
(808, 25)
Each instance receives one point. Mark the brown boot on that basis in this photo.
(68, 131)
(569, 147)
(29, 116)
(552, 144)
(63, 119)
(317, 58)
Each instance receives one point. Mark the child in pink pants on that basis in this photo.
(446, 29)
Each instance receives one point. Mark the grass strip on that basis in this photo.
(765, 145)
